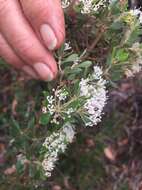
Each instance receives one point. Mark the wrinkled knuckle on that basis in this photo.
(42, 13)
(25, 48)
(13, 61)
(39, 11)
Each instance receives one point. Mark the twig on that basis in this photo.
(95, 42)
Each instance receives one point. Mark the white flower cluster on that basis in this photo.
(55, 144)
(95, 90)
(51, 106)
(62, 94)
(100, 4)
(87, 6)
(70, 111)
(137, 65)
(137, 13)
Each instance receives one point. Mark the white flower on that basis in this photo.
(95, 91)
(50, 99)
(44, 109)
(87, 6)
(65, 3)
(67, 46)
(70, 110)
(136, 66)
(69, 131)
(48, 165)
(129, 73)
(84, 86)
(101, 3)
(50, 106)
(140, 18)
(97, 73)
(91, 6)
(55, 144)
(62, 94)
(135, 12)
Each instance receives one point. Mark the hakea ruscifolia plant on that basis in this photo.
(79, 95)
(80, 102)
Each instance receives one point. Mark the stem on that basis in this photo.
(100, 33)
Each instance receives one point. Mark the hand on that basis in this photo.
(29, 30)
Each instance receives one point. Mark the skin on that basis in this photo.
(29, 31)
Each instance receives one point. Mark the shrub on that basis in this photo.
(102, 46)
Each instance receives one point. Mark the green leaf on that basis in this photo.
(77, 103)
(117, 25)
(19, 167)
(44, 119)
(85, 64)
(116, 73)
(122, 55)
(71, 58)
(71, 77)
(31, 123)
(15, 128)
(74, 71)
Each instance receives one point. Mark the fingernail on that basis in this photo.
(43, 71)
(29, 71)
(48, 36)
